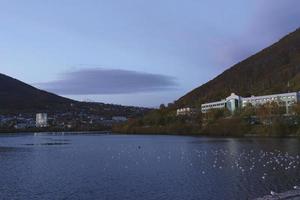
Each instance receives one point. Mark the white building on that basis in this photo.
(213, 105)
(186, 111)
(41, 120)
(234, 101)
(119, 119)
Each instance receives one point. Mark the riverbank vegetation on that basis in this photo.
(270, 119)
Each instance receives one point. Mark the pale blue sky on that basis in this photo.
(178, 45)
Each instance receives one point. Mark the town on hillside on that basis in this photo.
(61, 121)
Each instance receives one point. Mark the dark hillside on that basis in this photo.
(17, 97)
(275, 69)
(15, 94)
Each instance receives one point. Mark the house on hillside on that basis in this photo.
(119, 119)
(186, 111)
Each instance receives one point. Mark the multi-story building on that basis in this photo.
(186, 111)
(41, 120)
(234, 101)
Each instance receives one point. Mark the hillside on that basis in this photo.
(275, 69)
(16, 95)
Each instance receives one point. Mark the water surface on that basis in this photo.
(118, 167)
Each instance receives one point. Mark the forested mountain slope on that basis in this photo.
(275, 69)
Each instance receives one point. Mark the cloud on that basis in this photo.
(108, 81)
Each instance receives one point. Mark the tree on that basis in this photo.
(214, 114)
(247, 112)
(296, 109)
(162, 106)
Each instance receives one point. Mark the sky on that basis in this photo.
(134, 52)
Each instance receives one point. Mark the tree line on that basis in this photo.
(269, 119)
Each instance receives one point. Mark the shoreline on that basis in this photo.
(109, 132)
(56, 132)
(292, 194)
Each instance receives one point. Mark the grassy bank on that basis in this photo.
(266, 120)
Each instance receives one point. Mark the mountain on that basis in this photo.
(16, 95)
(275, 69)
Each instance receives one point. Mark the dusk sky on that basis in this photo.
(134, 52)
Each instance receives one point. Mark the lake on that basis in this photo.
(120, 167)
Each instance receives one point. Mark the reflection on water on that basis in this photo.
(145, 167)
(7, 149)
(47, 144)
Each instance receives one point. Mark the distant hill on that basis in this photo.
(16, 95)
(275, 69)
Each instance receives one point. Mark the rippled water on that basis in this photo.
(116, 167)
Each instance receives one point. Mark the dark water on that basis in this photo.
(145, 167)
